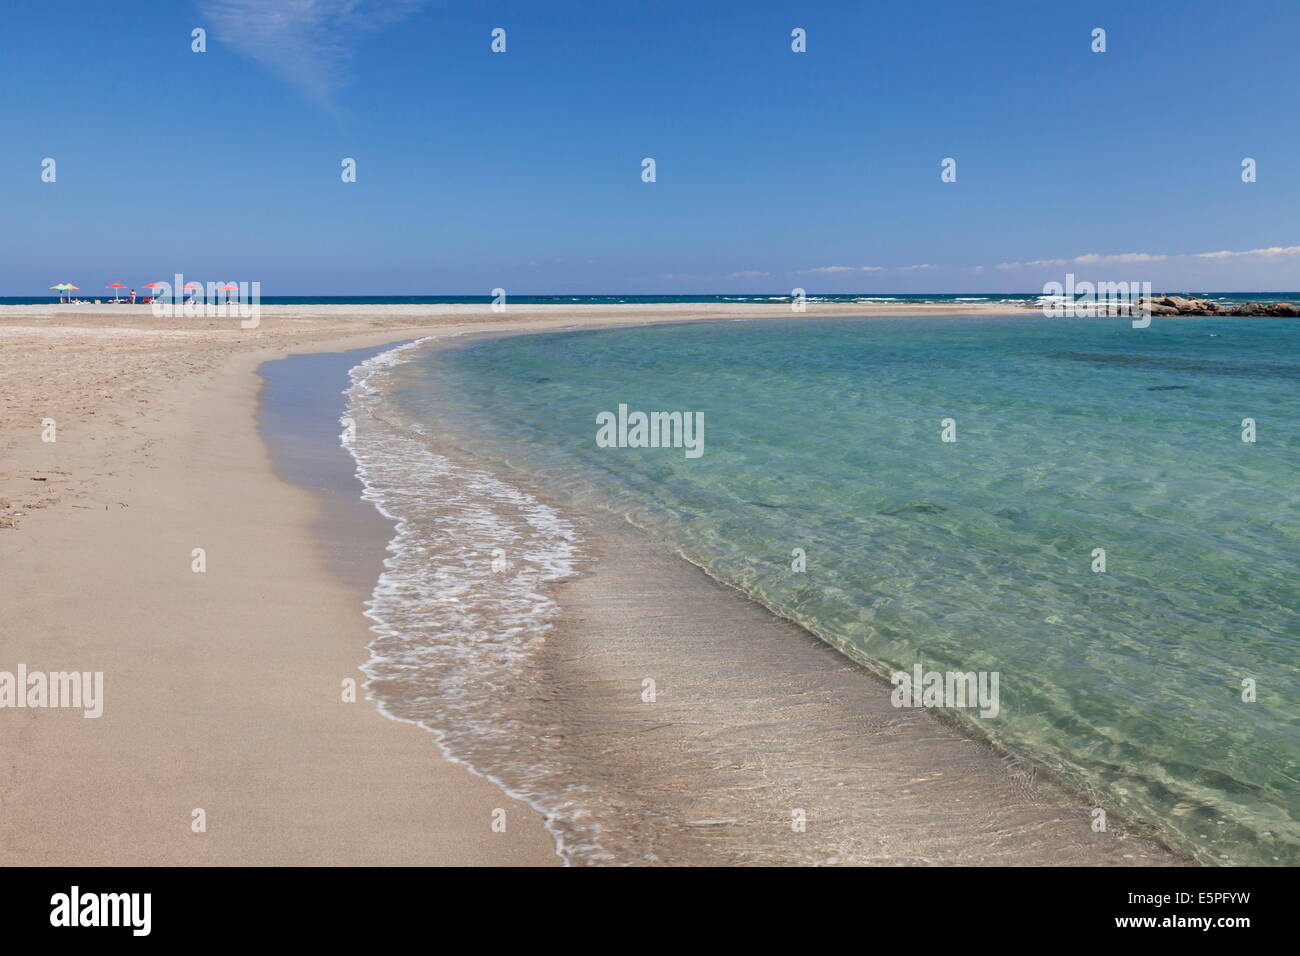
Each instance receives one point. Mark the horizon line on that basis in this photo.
(488, 295)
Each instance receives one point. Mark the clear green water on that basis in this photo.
(975, 555)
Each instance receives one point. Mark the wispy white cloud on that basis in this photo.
(830, 270)
(1271, 252)
(1088, 259)
(1122, 257)
(827, 270)
(1093, 258)
(308, 43)
(1030, 264)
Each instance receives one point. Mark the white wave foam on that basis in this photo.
(460, 611)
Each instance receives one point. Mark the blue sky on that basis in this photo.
(775, 169)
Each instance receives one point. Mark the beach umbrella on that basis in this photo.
(229, 288)
(151, 286)
(115, 285)
(61, 288)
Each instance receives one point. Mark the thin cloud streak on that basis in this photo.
(307, 43)
(1087, 259)
(1271, 252)
(830, 270)
(1092, 258)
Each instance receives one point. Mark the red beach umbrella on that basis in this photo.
(115, 285)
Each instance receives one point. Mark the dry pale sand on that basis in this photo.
(222, 689)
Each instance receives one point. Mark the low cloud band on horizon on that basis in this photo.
(1090, 258)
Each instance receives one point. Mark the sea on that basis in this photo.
(1106, 517)
(968, 298)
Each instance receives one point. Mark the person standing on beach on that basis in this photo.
(133, 296)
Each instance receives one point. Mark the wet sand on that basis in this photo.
(755, 719)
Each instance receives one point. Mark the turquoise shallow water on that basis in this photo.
(1072, 435)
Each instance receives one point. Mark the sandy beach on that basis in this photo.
(223, 689)
(689, 437)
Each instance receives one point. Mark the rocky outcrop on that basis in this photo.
(1179, 305)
